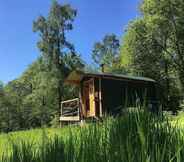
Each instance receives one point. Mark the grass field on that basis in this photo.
(177, 120)
(33, 136)
(135, 137)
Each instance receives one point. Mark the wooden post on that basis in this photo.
(100, 96)
(80, 112)
(61, 108)
(61, 115)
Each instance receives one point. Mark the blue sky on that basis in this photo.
(95, 19)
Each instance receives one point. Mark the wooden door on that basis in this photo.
(91, 98)
(85, 99)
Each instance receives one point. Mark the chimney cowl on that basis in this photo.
(102, 68)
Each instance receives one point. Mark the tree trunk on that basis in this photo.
(167, 82)
(181, 77)
(60, 91)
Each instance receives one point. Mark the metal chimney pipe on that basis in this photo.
(102, 68)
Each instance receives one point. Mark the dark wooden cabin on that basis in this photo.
(104, 93)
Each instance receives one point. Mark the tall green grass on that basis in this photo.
(134, 137)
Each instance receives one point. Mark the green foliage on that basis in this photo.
(137, 136)
(58, 55)
(107, 52)
(153, 47)
(55, 123)
(34, 99)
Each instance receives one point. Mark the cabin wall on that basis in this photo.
(117, 94)
(113, 93)
(97, 96)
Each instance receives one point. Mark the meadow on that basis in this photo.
(32, 136)
(134, 137)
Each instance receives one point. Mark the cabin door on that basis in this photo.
(89, 95)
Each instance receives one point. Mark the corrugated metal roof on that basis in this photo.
(120, 76)
(77, 76)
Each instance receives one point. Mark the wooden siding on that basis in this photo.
(69, 118)
(88, 98)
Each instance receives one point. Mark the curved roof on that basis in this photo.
(76, 76)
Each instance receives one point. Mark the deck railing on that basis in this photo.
(70, 110)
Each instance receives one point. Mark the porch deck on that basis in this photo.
(70, 110)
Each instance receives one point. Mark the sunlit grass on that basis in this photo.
(33, 136)
(177, 120)
(137, 136)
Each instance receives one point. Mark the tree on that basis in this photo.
(139, 53)
(41, 101)
(34, 99)
(152, 47)
(165, 22)
(53, 43)
(107, 52)
(10, 106)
